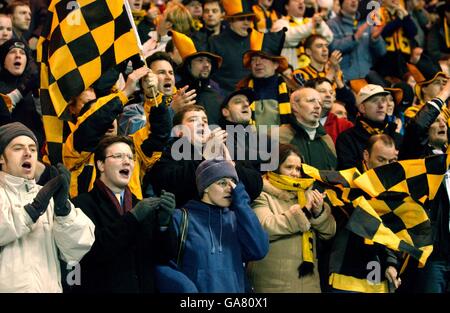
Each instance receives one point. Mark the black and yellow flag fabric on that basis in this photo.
(80, 41)
(388, 201)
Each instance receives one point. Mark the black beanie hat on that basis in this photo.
(10, 131)
(11, 44)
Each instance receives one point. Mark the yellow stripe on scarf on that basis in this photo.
(284, 182)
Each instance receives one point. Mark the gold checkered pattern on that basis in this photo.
(388, 201)
(76, 47)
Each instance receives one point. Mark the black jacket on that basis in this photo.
(125, 251)
(25, 111)
(208, 93)
(416, 146)
(231, 47)
(351, 143)
(178, 177)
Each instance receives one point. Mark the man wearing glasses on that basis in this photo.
(131, 235)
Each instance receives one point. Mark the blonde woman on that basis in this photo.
(175, 17)
(293, 214)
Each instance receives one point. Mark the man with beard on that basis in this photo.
(196, 69)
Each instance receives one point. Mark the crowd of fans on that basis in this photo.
(165, 184)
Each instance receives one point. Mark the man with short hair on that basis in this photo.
(194, 142)
(321, 64)
(21, 17)
(372, 105)
(35, 231)
(132, 236)
(380, 151)
(213, 15)
(339, 110)
(305, 131)
(350, 255)
(242, 136)
(332, 124)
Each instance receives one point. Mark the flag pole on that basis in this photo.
(141, 49)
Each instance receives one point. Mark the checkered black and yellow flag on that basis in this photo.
(388, 201)
(77, 45)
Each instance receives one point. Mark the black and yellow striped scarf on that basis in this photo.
(372, 130)
(264, 18)
(284, 106)
(284, 182)
(302, 75)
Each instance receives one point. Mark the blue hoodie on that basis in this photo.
(219, 241)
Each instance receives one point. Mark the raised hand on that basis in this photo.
(167, 207)
(183, 98)
(144, 207)
(40, 202)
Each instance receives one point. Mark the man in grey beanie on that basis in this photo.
(34, 229)
(222, 233)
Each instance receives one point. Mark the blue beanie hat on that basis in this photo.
(210, 171)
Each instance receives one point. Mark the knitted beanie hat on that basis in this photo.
(210, 171)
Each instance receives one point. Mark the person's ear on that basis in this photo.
(308, 52)
(2, 159)
(101, 166)
(225, 112)
(361, 108)
(366, 156)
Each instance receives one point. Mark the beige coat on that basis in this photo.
(278, 271)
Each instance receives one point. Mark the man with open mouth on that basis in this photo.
(131, 234)
(38, 225)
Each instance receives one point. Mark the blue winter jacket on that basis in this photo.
(357, 56)
(219, 241)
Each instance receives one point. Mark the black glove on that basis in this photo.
(167, 207)
(64, 171)
(144, 208)
(61, 197)
(40, 202)
(28, 83)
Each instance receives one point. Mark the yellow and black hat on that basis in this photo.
(188, 51)
(424, 72)
(267, 45)
(238, 8)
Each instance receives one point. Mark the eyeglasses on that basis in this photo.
(121, 156)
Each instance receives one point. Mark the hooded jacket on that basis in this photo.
(219, 240)
(178, 176)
